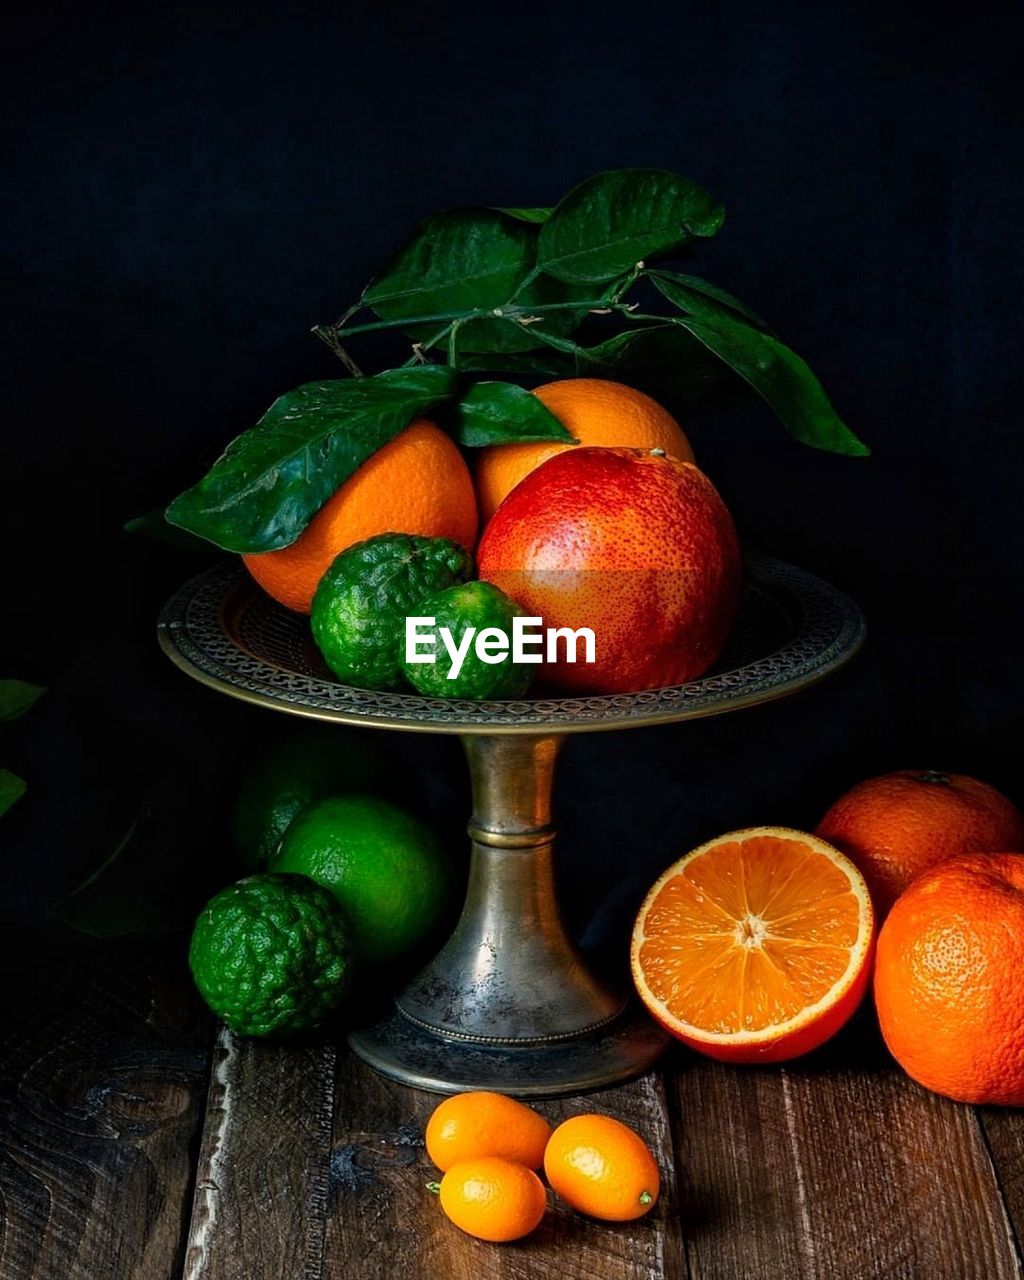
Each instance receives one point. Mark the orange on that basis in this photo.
(756, 947)
(636, 546)
(603, 1168)
(486, 1124)
(948, 979)
(492, 1198)
(594, 412)
(416, 483)
(896, 826)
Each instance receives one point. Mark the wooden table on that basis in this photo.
(138, 1141)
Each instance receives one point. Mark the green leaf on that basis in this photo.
(700, 298)
(17, 697)
(609, 223)
(528, 215)
(155, 525)
(270, 481)
(510, 334)
(116, 898)
(501, 413)
(460, 260)
(781, 378)
(12, 788)
(664, 360)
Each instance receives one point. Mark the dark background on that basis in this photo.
(190, 190)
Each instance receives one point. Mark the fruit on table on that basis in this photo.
(947, 979)
(271, 955)
(386, 868)
(476, 605)
(595, 412)
(479, 1123)
(636, 546)
(417, 483)
(363, 599)
(306, 766)
(492, 1198)
(755, 947)
(601, 1167)
(900, 824)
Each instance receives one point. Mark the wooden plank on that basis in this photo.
(822, 1169)
(383, 1223)
(101, 1087)
(262, 1175)
(1003, 1130)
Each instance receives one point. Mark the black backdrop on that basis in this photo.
(191, 189)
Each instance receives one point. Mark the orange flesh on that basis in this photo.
(749, 934)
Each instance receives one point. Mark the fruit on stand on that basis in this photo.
(479, 1123)
(634, 545)
(417, 483)
(386, 868)
(363, 599)
(271, 955)
(755, 947)
(948, 975)
(492, 1198)
(467, 605)
(595, 412)
(601, 1167)
(900, 824)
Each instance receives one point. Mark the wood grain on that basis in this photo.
(383, 1223)
(101, 1088)
(824, 1170)
(1003, 1131)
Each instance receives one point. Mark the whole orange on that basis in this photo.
(601, 1167)
(947, 979)
(900, 824)
(634, 545)
(492, 1198)
(486, 1124)
(416, 483)
(594, 412)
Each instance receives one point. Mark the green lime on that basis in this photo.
(308, 765)
(387, 869)
(363, 599)
(270, 955)
(469, 604)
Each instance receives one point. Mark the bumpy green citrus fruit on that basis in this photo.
(469, 604)
(386, 868)
(363, 599)
(270, 954)
(306, 766)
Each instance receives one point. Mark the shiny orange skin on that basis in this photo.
(479, 1123)
(595, 412)
(638, 547)
(601, 1167)
(948, 979)
(493, 1199)
(416, 483)
(898, 825)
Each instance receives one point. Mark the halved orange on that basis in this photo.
(757, 946)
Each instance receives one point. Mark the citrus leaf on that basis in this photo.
(12, 788)
(528, 215)
(17, 697)
(501, 413)
(781, 378)
(461, 260)
(700, 298)
(507, 333)
(155, 525)
(609, 223)
(270, 481)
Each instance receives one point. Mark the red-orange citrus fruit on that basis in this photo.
(948, 979)
(467, 1125)
(601, 1167)
(757, 946)
(896, 826)
(594, 412)
(638, 547)
(492, 1198)
(416, 483)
